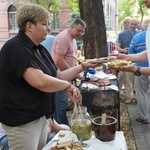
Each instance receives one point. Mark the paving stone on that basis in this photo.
(141, 131)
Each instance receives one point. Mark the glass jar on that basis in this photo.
(81, 123)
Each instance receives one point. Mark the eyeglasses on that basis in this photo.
(81, 32)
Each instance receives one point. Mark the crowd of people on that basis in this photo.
(122, 45)
(36, 69)
(131, 40)
(133, 45)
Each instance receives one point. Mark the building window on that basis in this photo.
(12, 19)
(55, 21)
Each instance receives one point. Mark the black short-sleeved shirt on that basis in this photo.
(21, 103)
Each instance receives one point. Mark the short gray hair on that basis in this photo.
(30, 13)
(79, 21)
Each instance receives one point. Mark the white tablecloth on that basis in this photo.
(118, 144)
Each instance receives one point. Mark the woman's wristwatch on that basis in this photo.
(137, 72)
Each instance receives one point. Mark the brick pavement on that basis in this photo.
(141, 131)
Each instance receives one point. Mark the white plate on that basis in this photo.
(101, 75)
(118, 144)
(53, 142)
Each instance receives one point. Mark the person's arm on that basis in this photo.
(60, 61)
(144, 71)
(57, 127)
(133, 68)
(72, 72)
(121, 50)
(140, 57)
(43, 82)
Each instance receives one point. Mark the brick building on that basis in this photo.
(111, 14)
(8, 26)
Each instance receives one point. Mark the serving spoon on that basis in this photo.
(103, 121)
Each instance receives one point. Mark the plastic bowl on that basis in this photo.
(91, 71)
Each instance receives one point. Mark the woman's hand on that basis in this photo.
(91, 64)
(70, 93)
(54, 126)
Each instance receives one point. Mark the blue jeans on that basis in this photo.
(61, 100)
(4, 143)
(50, 136)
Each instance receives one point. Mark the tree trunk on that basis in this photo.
(94, 40)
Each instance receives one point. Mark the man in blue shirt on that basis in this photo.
(138, 45)
(48, 42)
(122, 45)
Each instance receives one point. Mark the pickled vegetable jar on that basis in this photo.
(81, 123)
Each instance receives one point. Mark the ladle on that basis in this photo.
(103, 121)
(77, 106)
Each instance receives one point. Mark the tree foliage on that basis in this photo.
(73, 5)
(125, 9)
(52, 6)
(142, 11)
(132, 8)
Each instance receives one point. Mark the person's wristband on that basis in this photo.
(68, 87)
(83, 67)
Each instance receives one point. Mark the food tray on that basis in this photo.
(53, 142)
